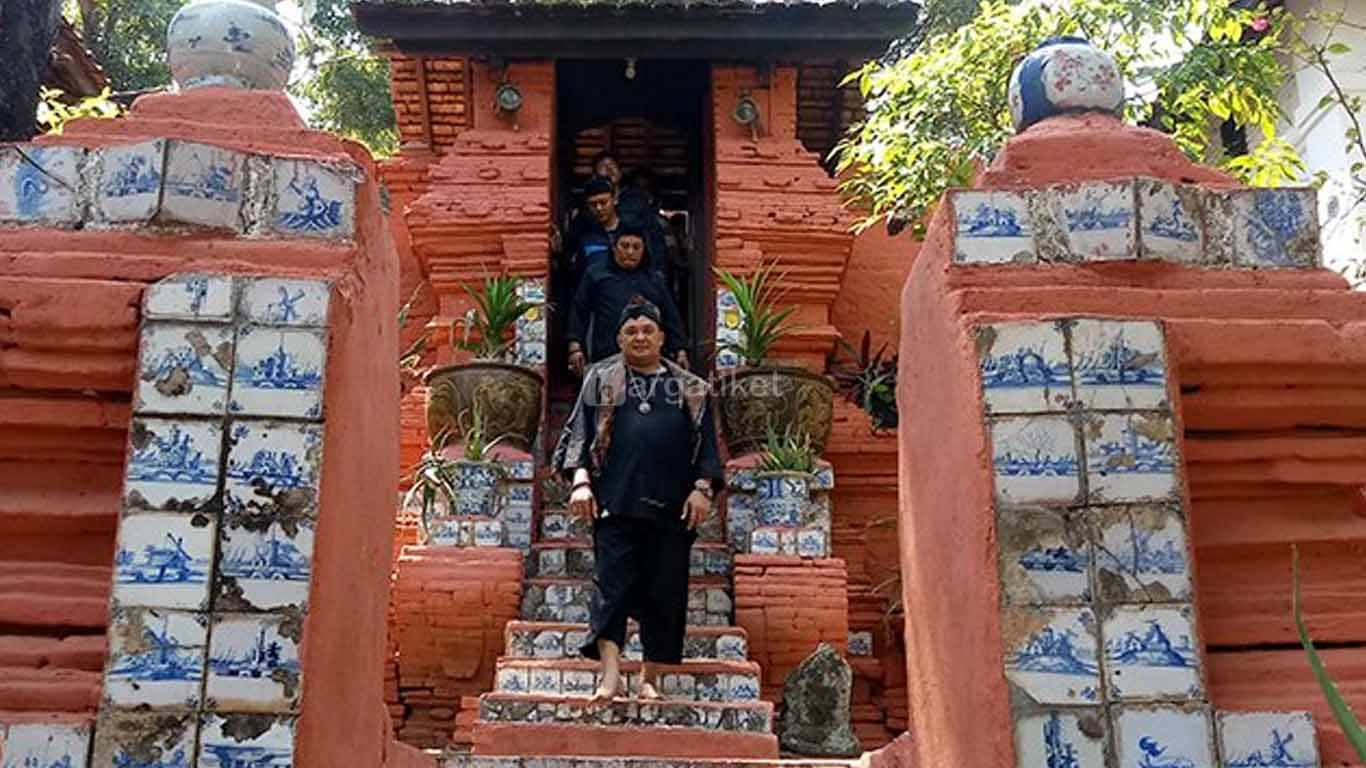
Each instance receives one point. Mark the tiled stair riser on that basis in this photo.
(1101, 649)
(578, 680)
(575, 561)
(779, 514)
(1139, 219)
(173, 183)
(568, 600)
(509, 525)
(215, 543)
(528, 641)
(748, 717)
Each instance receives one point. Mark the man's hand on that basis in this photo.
(577, 361)
(582, 503)
(696, 508)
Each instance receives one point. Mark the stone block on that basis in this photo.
(1175, 735)
(1024, 367)
(40, 185)
(285, 301)
(163, 560)
(1070, 737)
(1255, 739)
(172, 465)
(1152, 653)
(156, 658)
(1099, 219)
(1035, 460)
(1130, 457)
(205, 185)
(1051, 654)
(272, 471)
(1143, 555)
(254, 663)
(1264, 228)
(45, 745)
(263, 567)
(189, 297)
(313, 200)
(1170, 222)
(1119, 364)
(125, 739)
(993, 227)
(1045, 557)
(183, 369)
(279, 372)
(227, 741)
(128, 189)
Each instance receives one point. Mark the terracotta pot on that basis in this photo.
(509, 398)
(754, 400)
(780, 498)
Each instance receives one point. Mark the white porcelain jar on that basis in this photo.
(236, 43)
(1064, 74)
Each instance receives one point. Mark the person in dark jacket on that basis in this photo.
(603, 293)
(641, 454)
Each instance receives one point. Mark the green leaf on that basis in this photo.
(1337, 49)
(1342, 711)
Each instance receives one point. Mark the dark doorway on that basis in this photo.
(651, 114)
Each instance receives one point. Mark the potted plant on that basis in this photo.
(508, 395)
(783, 479)
(760, 396)
(452, 489)
(867, 380)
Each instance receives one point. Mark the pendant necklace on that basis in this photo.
(637, 389)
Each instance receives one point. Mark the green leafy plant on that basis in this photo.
(434, 478)
(497, 305)
(478, 445)
(1342, 711)
(762, 322)
(867, 380)
(790, 451)
(55, 110)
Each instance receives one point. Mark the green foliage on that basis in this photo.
(1342, 711)
(496, 308)
(348, 86)
(790, 451)
(762, 323)
(868, 380)
(478, 445)
(54, 112)
(128, 38)
(938, 111)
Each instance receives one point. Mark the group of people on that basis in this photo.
(639, 448)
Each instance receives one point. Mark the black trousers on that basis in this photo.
(640, 571)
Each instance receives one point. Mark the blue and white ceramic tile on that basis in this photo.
(532, 290)
(635, 649)
(172, 465)
(993, 228)
(1169, 217)
(1119, 364)
(121, 740)
(1072, 738)
(824, 477)
(443, 532)
(272, 469)
(1163, 736)
(38, 185)
(1052, 655)
(163, 560)
(1035, 460)
(555, 527)
(717, 563)
(521, 469)
(266, 569)
(764, 541)
(787, 541)
(488, 533)
(254, 663)
(742, 480)
(45, 745)
(517, 494)
(1268, 740)
(1024, 367)
(279, 372)
(129, 187)
(1152, 653)
(548, 644)
(743, 688)
(560, 594)
(313, 200)
(531, 325)
(519, 538)
(1130, 456)
(1142, 555)
(578, 682)
(530, 353)
(1100, 220)
(861, 643)
(205, 185)
(731, 648)
(156, 658)
(780, 498)
(739, 522)
(285, 301)
(183, 369)
(718, 602)
(811, 542)
(678, 686)
(1045, 558)
(550, 562)
(189, 297)
(221, 744)
(1266, 228)
(545, 681)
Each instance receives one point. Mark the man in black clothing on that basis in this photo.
(592, 231)
(603, 292)
(640, 449)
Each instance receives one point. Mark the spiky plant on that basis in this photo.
(434, 476)
(790, 451)
(762, 322)
(497, 305)
(1342, 711)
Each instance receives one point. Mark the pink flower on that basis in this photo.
(1261, 24)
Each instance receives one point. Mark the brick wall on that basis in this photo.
(789, 606)
(446, 109)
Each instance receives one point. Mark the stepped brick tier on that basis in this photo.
(190, 354)
(1122, 365)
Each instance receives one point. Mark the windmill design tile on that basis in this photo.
(263, 569)
(1152, 653)
(313, 200)
(45, 745)
(1142, 555)
(156, 658)
(1035, 460)
(1052, 655)
(172, 465)
(279, 372)
(731, 648)
(1119, 364)
(992, 228)
(272, 470)
(1268, 740)
(1045, 558)
(578, 682)
(129, 186)
(189, 297)
(183, 369)
(222, 743)
(205, 185)
(1163, 737)
(163, 560)
(1100, 220)
(1024, 368)
(254, 663)
(1073, 738)
(38, 185)
(1169, 218)
(1265, 228)
(1130, 457)
(730, 326)
(126, 739)
(282, 301)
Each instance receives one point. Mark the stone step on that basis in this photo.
(705, 680)
(738, 716)
(571, 558)
(566, 600)
(550, 640)
(555, 523)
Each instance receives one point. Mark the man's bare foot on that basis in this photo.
(605, 694)
(650, 692)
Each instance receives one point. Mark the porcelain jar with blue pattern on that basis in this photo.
(476, 487)
(780, 498)
(235, 43)
(1064, 74)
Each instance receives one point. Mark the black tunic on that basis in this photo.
(604, 292)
